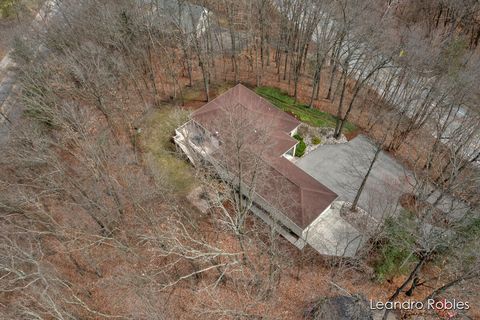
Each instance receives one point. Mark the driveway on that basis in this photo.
(341, 168)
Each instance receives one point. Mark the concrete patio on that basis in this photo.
(332, 235)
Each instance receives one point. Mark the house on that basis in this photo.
(183, 16)
(287, 196)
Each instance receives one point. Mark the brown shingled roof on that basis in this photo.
(304, 198)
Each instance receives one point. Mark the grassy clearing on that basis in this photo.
(193, 93)
(302, 112)
(171, 171)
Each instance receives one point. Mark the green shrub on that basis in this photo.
(301, 146)
(300, 150)
(395, 253)
(298, 137)
(471, 229)
(316, 140)
(392, 258)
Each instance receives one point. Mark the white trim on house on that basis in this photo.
(294, 131)
(290, 154)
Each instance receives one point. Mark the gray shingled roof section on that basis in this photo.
(307, 198)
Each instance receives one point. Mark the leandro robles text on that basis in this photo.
(430, 304)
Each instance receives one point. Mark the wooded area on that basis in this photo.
(94, 219)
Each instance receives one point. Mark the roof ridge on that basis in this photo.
(271, 104)
(220, 95)
(295, 183)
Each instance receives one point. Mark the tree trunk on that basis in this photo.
(412, 275)
(340, 105)
(365, 178)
